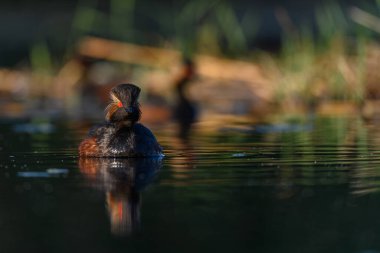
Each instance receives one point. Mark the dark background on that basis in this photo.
(26, 22)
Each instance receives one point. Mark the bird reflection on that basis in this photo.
(122, 180)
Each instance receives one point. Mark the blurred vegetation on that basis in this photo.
(327, 64)
(190, 26)
(323, 58)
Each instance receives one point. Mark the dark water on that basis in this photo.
(301, 185)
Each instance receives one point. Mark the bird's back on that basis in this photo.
(146, 143)
(108, 141)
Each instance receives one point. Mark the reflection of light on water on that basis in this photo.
(275, 180)
(34, 128)
(53, 172)
(239, 155)
(124, 211)
(122, 180)
(283, 128)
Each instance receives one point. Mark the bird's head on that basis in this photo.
(124, 107)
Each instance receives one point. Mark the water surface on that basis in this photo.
(298, 185)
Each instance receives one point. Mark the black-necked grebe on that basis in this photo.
(185, 112)
(121, 135)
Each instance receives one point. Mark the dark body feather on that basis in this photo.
(112, 141)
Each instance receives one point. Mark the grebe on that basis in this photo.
(185, 112)
(121, 135)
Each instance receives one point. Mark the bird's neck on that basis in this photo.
(124, 124)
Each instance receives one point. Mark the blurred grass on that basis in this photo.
(321, 61)
(329, 64)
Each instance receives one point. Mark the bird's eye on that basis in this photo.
(119, 104)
